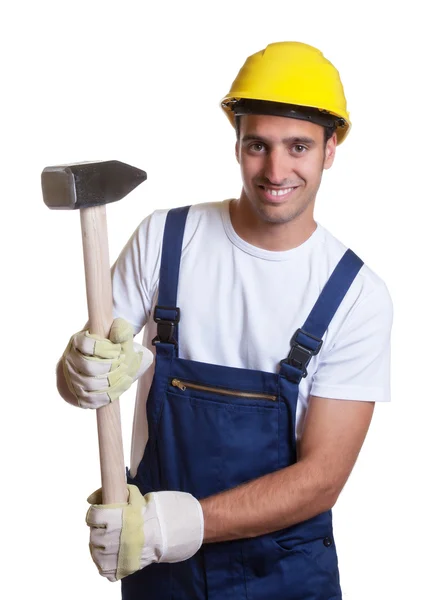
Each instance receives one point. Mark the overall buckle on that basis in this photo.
(300, 356)
(166, 327)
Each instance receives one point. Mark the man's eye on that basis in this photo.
(299, 148)
(257, 147)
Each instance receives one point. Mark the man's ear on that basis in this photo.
(329, 153)
(237, 150)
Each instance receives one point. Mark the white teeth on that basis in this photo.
(278, 192)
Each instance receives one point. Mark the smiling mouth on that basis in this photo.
(277, 192)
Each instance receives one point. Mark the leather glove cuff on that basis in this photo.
(182, 525)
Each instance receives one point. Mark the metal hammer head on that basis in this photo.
(81, 185)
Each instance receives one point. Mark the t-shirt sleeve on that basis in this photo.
(136, 272)
(357, 366)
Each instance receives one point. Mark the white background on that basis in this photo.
(141, 82)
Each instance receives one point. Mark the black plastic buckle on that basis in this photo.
(166, 327)
(300, 356)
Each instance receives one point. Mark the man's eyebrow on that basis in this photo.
(249, 137)
(302, 139)
(253, 137)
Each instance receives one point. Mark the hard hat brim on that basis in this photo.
(242, 106)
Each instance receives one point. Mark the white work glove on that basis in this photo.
(99, 370)
(157, 527)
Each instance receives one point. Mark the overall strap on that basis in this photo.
(307, 341)
(166, 314)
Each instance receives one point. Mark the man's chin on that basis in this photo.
(276, 214)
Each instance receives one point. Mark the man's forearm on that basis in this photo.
(269, 503)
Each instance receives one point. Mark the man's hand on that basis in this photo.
(157, 527)
(99, 370)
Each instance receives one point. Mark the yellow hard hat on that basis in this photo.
(291, 73)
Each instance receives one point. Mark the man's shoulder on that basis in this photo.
(153, 225)
(368, 283)
(196, 209)
(197, 212)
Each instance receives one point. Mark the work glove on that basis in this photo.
(158, 527)
(99, 370)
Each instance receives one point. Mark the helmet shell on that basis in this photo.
(291, 73)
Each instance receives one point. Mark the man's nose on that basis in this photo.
(276, 168)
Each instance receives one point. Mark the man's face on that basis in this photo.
(282, 161)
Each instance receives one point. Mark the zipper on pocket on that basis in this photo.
(183, 385)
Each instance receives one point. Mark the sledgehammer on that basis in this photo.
(89, 187)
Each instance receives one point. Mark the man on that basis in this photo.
(272, 346)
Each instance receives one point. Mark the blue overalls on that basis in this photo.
(214, 427)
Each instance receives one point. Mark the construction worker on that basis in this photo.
(272, 345)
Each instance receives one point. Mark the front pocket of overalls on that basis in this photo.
(290, 569)
(225, 439)
(320, 550)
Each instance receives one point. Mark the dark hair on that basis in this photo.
(328, 131)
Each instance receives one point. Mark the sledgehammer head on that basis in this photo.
(81, 185)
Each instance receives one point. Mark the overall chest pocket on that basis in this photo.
(220, 437)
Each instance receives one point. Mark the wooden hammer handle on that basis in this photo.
(100, 312)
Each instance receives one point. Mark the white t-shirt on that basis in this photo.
(240, 306)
